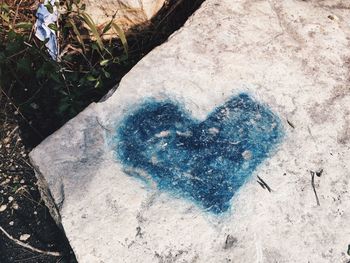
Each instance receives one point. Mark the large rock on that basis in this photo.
(127, 13)
(166, 169)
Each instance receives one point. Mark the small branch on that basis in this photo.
(103, 127)
(263, 184)
(313, 186)
(16, 13)
(290, 124)
(55, 254)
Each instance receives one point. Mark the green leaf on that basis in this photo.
(53, 27)
(4, 7)
(5, 17)
(122, 36)
(77, 33)
(107, 74)
(49, 8)
(107, 28)
(69, 6)
(91, 78)
(24, 25)
(93, 28)
(104, 62)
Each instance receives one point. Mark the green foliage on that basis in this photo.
(37, 83)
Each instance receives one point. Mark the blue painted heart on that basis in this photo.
(203, 161)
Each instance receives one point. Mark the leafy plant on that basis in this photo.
(38, 84)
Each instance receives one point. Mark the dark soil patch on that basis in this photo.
(22, 209)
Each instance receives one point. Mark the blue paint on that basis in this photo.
(204, 161)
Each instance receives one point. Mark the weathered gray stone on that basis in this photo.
(290, 55)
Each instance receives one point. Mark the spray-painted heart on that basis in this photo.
(204, 161)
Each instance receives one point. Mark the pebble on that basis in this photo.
(24, 237)
(3, 208)
(11, 223)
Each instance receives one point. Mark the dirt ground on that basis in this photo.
(23, 214)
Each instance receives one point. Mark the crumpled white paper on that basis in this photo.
(43, 32)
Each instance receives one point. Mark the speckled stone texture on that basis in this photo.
(292, 57)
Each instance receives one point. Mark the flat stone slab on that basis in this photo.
(228, 143)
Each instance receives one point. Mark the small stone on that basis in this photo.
(230, 241)
(5, 182)
(247, 155)
(213, 130)
(24, 237)
(333, 17)
(10, 198)
(11, 223)
(34, 106)
(35, 213)
(3, 208)
(22, 181)
(15, 206)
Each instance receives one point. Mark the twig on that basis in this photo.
(263, 184)
(290, 124)
(13, 131)
(103, 127)
(55, 254)
(16, 14)
(313, 186)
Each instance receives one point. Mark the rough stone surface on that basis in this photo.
(291, 56)
(127, 13)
